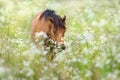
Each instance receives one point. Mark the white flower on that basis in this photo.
(88, 73)
(70, 69)
(94, 23)
(68, 43)
(40, 34)
(98, 65)
(88, 37)
(108, 61)
(45, 68)
(85, 62)
(2, 19)
(117, 58)
(1, 61)
(2, 70)
(74, 59)
(45, 52)
(103, 38)
(113, 75)
(95, 47)
(102, 23)
(99, 24)
(85, 50)
(30, 73)
(26, 63)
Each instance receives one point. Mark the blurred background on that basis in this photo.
(92, 41)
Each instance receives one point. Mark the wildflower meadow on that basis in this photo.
(92, 41)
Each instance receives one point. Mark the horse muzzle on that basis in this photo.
(60, 46)
(63, 47)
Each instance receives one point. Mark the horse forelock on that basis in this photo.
(57, 20)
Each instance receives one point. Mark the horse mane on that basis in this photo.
(57, 20)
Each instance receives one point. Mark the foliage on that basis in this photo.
(92, 41)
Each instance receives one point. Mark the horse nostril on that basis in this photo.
(61, 45)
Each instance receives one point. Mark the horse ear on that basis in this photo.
(50, 19)
(64, 18)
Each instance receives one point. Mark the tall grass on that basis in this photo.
(92, 41)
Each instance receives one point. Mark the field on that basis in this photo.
(92, 41)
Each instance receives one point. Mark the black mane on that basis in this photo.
(57, 20)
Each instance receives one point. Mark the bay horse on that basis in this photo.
(51, 24)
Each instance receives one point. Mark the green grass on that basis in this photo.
(92, 41)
